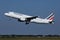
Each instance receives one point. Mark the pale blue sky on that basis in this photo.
(40, 8)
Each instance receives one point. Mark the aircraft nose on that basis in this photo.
(6, 14)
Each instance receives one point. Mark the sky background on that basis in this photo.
(40, 8)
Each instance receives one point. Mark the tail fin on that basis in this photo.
(50, 17)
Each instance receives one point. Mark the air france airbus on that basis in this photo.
(30, 19)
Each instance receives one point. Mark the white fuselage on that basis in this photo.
(23, 17)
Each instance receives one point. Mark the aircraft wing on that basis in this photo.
(29, 19)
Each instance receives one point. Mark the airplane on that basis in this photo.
(31, 19)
